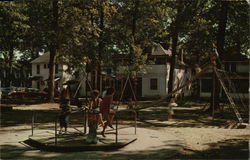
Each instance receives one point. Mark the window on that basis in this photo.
(153, 84)
(233, 67)
(44, 66)
(161, 60)
(230, 67)
(227, 67)
(38, 69)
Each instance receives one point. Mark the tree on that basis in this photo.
(12, 29)
(231, 34)
(59, 25)
(77, 32)
(135, 27)
(53, 46)
(184, 14)
(175, 26)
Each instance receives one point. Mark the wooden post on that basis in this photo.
(85, 121)
(56, 131)
(116, 130)
(32, 123)
(213, 92)
(85, 110)
(135, 120)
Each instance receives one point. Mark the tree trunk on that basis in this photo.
(53, 47)
(10, 71)
(133, 29)
(172, 64)
(220, 47)
(222, 28)
(135, 12)
(137, 3)
(174, 36)
(51, 82)
(101, 45)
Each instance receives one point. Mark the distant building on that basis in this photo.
(40, 76)
(40, 72)
(152, 83)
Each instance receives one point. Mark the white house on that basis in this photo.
(40, 72)
(40, 75)
(154, 82)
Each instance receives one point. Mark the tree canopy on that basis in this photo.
(96, 30)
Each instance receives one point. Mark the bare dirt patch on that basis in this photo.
(190, 134)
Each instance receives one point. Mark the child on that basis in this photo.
(95, 106)
(94, 117)
(107, 113)
(64, 115)
(170, 107)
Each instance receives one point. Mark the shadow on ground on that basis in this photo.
(150, 117)
(227, 149)
(185, 117)
(236, 148)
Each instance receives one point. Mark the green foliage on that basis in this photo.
(98, 30)
(13, 26)
(237, 35)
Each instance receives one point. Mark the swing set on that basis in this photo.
(226, 84)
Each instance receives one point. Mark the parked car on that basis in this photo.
(25, 93)
(28, 95)
(6, 91)
(32, 90)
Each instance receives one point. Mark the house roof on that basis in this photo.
(42, 59)
(158, 50)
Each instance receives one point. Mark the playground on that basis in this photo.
(169, 127)
(111, 79)
(189, 134)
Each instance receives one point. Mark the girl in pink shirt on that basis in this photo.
(107, 113)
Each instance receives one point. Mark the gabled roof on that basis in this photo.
(42, 59)
(158, 50)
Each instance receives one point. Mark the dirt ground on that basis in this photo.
(191, 134)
